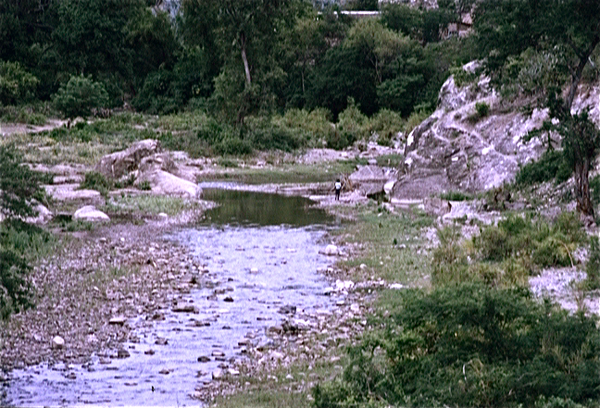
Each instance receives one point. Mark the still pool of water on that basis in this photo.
(262, 252)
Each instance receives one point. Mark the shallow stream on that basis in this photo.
(262, 256)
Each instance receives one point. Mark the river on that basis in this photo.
(261, 252)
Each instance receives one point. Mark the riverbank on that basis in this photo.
(89, 288)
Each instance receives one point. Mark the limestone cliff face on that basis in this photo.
(457, 150)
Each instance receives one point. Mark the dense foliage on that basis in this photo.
(470, 345)
(233, 59)
(19, 186)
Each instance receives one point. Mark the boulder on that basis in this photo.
(43, 215)
(330, 250)
(162, 182)
(58, 342)
(118, 164)
(370, 180)
(456, 150)
(90, 213)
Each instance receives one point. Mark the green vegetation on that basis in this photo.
(482, 109)
(80, 96)
(19, 242)
(470, 345)
(148, 205)
(551, 166)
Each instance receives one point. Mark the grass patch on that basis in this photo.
(507, 254)
(391, 246)
(148, 205)
(285, 173)
(390, 160)
(456, 196)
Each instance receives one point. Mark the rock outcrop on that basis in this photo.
(370, 180)
(118, 164)
(145, 161)
(456, 149)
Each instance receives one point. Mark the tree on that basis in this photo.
(80, 96)
(91, 38)
(19, 186)
(248, 33)
(567, 29)
(16, 84)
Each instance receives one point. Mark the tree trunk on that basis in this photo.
(582, 188)
(578, 72)
(245, 59)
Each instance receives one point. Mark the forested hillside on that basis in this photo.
(232, 58)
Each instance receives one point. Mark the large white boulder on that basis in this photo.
(118, 164)
(90, 213)
(455, 149)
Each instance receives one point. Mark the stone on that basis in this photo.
(253, 270)
(186, 308)
(203, 359)
(218, 353)
(161, 341)
(122, 353)
(370, 180)
(58, 342)
(43, 215)
(164, 371)
(149, 352)
(71, 376)
(117, 320)
(233, 372)
(162, 182)
(287, 309)
(217, 374)
(330, 250)
(118, 164)
(228, 299)
(90, 213)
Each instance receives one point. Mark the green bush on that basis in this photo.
(97, 181)
(415, 120)
(551, 166)
(592, 267)
(16, 84)
(470, 346)
(265, 135)
(80, 96)
(233, 146)
(507, 254)
(463, 77)
(386, 124)
(22, 114)
(482, 109)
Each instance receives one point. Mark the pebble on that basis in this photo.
(164, 371)
(149, 352)
(58, 342)
(117, 320)
(122, 353)
(218, 353)
(228, 299)
(161, 341)
(71, 376)
(203, 359)
(217, 374)
(185, 309)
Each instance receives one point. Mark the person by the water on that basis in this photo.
(338, 189)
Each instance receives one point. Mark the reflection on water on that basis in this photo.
(251, 208)
(264, 255)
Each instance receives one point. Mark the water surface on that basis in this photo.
(261, 251)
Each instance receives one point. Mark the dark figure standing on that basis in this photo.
(338, 189)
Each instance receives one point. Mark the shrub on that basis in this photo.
(551, 166)
(233, 146)
(482, 109)
(463, 77)
(265, 135)
(592, 267)
(471, 346)
(386, 124)
(79, 96)
(415, 120)
(506, 254)
(16, 84)
(97, 181)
